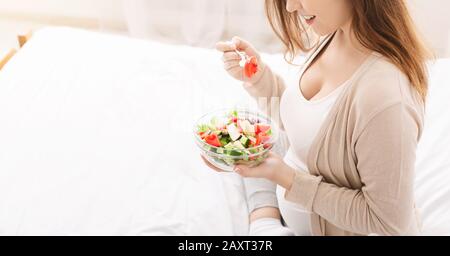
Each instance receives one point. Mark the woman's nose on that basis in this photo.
(293, 5)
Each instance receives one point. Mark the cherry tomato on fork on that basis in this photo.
(251, 67)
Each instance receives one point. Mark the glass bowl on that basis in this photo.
(227, 159)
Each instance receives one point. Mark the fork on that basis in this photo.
(244, 58)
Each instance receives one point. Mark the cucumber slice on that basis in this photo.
(245, 141)
(203, 128)
(235, 153)
(225, 140)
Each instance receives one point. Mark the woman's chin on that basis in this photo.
(321, 31)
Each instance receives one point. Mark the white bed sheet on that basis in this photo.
(433, 154)
(95, 140)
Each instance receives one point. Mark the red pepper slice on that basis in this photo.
(258, 141)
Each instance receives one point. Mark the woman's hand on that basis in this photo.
(231, 59)
(265, 170)
(273, 169)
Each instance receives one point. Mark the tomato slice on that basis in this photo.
(266, 146)
(251, 67)
(213, 140)
(262, 138)
(262, 128)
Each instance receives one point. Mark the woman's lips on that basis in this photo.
(309, 19)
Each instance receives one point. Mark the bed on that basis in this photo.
(95, 139)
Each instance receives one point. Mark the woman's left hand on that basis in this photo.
(273, 169)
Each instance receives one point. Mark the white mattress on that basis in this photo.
(95, 140)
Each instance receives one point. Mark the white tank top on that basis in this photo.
(302, 120)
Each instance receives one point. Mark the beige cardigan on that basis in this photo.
(361, 163)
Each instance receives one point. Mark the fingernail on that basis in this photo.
(236, 169)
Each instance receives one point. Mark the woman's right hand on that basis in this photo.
(231, 59)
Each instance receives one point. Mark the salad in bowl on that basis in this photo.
(228, 138)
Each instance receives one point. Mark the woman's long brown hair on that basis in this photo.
(383, 26)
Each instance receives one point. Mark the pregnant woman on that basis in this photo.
(353, 121)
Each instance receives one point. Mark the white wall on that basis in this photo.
(432, 16)
(70, 8)
(103, 12)
(433, 19)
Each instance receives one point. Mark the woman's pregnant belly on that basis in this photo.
(296, 217)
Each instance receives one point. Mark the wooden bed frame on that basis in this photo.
(22, 40)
